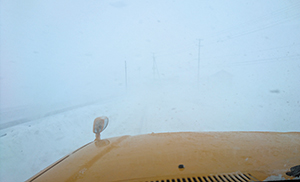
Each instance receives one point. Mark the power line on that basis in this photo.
(264, 27)
(258, 19)
(254, 51)
(289, 15)
(257, 61)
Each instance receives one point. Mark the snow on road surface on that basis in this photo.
(30, 147)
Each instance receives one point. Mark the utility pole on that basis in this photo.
(198, 75)
(154, 67)
(126, 75)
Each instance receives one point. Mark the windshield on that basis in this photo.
(149, 66)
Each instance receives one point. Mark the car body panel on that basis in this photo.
(153, 157)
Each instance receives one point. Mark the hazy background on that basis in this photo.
(62, 63)
(58, 54)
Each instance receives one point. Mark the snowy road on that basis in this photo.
(29, 147)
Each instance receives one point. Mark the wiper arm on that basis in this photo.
(294, 171)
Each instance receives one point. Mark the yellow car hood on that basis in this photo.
(186, 156)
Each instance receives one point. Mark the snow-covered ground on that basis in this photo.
(28, 148)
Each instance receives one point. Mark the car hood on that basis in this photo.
(183, 156)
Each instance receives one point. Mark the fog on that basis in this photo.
(62, 54)
(150, 66)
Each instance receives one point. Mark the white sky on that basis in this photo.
(67, 51)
